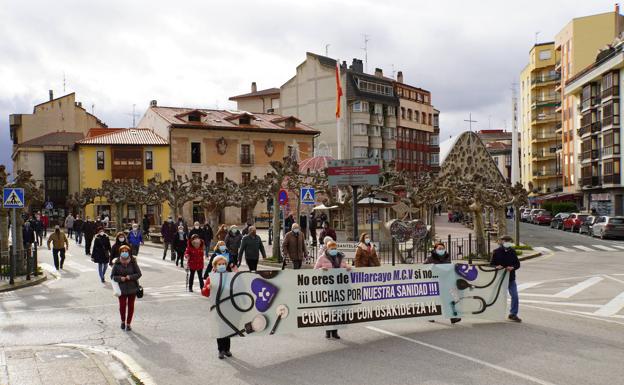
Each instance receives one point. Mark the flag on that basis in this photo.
(338, 89)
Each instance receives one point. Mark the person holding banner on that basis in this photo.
(220, 250)
(505, 257)
(440, 255)
(221, 264)
(333, 259)
(366, 254)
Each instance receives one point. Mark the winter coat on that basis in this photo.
(326, 261)
(436, 259)
(366, 256)
(180, 244)
(146, 224)
(58, 240)
(199, 231)
(28, 233)
(251, 247)
(327, 233)
(221, 234)
(195, 256)
(69, 222)
(135, 238)
(168, 230)
(88, 229)
(101, 249)
(506, 257)
(208, 235)
(312, 221)
(233, 242)
(78, 224)
(231, 261)
(288, 223)
(37, 225)
(294, 246)
(132, 270)
(114, 253)
(45, 221)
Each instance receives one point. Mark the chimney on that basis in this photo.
(51, 94)
(378, 72)
(254, 87)
(79, 104)
(153, 103)
(357, 66)
(400, 77)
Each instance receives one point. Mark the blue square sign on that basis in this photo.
(308, 196)
(13, 198)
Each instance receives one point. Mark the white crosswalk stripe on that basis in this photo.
(606, 248)
(563, 248)
(619, 247)
(571, 291)
(77, 266)
(527, 285)
(612, 307)
(584, 248)
(542, 249)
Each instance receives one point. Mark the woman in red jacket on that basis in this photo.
(194, 256)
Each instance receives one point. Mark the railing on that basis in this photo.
(545, 79)
(246, 159)
(610, 120)
(609, 92)
(25, 264)
(611, 179)
(545, 153)
(544, 136)
(595, 154)
(544, 117)
(591, 181)
(546, 172)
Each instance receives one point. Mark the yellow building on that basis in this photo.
(539, 121)
(121, 154)
(578, 42)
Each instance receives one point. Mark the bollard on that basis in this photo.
(470, 248)
(393, 253)
(36, 263)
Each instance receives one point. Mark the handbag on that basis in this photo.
(139, 293)
(116, 288)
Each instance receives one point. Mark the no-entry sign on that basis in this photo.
(353, 172)
(283, 197)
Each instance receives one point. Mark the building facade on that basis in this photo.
(498, 143)
(577, 44)
(264, 101)
(599, 130)
(236, 145)
(540, 121)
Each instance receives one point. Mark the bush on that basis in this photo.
(523, 247)
(560, 207)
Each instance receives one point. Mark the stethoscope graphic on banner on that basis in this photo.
(259, 322)
(462, 284)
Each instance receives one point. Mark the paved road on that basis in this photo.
(571, 303)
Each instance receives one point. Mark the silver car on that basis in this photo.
(608, 227)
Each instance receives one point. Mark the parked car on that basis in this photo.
(557, 221)
(586, 226)
(524, 217)
(574, 221)
(608, 227)
(543, 218)
(534, 213)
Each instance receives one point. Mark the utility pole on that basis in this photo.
(134, 115)
(63, 82)
(536, 35)
(365, 48)
(470, 121)
(327, 49)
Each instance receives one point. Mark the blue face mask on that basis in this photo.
(125, 254)
(222, 248)
(221, 269)
(440, 252)
(333, 252)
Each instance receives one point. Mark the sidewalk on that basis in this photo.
(51, 365)
(21, 282)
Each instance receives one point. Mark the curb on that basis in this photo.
(22, 284)
(529, 256)
(124, 359)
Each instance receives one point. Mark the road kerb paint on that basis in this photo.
(460, 355)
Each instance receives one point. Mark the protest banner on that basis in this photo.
(277, 302)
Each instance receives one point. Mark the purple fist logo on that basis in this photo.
(468, 272)
(264, 292)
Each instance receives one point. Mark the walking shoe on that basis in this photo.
(128, 328)
(103, 280)
(221, 355)
(228, 353)
(335, 334)
(327, 334)
(455, 320)
(513, 317)
(123, 326)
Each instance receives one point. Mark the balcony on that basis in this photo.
(611, 179)
(544, 155)
(609, 121)
(610, 150)
(545, 80)
(545, 118)
(610, 93)
(592, 181)
(590, 128)
(546, 173)
(548, 100)
(558, 128)
(540, 138)
(246, 160)
(590, 103)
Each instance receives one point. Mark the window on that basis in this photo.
(55, 177)
(149, 160)
(195, 152)
(374, 130)
(409, 114)
(389, 155)
(391, 111)
(375, 88)
(430, 119)
(194, 118)
(435, 159)
(100, 160)
(246, 177)
(402, 112)
(220, 178)
(359, 128)
(244, 120)
(378, 109)
(424, 118)
(359, 106)
(545, 55)
(388, 133)
(275, 103)
(434, 140)
(360, 152)
(245, 154)
(373, 153)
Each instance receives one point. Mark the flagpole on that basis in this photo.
(338, 115)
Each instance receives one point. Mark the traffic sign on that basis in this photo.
(13, 198)
(49, 205)
(308, 195)
(283, 197)
(353, 172)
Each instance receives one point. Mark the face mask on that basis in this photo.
(333, 252)
(367, 241)
(221, 268)
(196, 243)
(222, 248)
(135, 228)
(125, 254)
(101, 233)
(122, 239)
(440, 252)
(296, 231)
(197, 227)
(507, 245)
(181, 231)
(170, 220)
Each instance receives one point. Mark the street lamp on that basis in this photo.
(371, 198)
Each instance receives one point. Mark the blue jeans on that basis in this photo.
(513, 292)
(102, 270)
(78, 236)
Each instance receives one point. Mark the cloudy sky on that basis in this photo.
(117, 53)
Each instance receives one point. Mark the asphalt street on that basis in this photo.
(571, 303)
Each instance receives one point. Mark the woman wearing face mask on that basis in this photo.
(220, 250)
(126, 272)
(179, 245)
(220, 264)
(120, 240)
(323, 247)
(232, 242)
(440, 255)
(194, 256)
(135, 239)
(333, 259)
(366, 254)
(101, 252)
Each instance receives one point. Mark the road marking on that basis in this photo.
(613, 279)
(579, 287)
(619, 247)
(576, 313)
(527, 285)
(612, 307)
(606, 248)
(584, 248)
(562, 248)
(466, 357)
(560, 303)
(78, 267)
(543, 249)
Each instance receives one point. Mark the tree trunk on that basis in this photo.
(517, 224)
(432, 232)
(276, 227)
(347, 217)
(501, 221)
(119, 224)
(477, 213)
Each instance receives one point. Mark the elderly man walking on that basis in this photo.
(294, 246)
(251, 247)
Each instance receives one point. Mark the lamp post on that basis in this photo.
(371, 198)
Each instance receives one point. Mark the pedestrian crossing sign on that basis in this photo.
(13, 198)
(308, 196)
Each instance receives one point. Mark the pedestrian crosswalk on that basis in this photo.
(579, 248)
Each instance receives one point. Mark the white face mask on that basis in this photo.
(296, 231)
(197, 226)
(122, 239)
(507, 245)
(367, 241)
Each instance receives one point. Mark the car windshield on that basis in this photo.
(616, 221)
(563, 215)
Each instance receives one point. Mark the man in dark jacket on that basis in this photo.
(505, 257)
(251, 247)
(197, 229)
(313, 227)
(38, 227)
(28, 235)
(233, 241)
(88, 230)
(168, 231)
(208, 236)
(327, 232)
(145, 224)
(294, 246)
(78, 223)
(288, 222)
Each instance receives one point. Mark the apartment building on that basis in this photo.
(498, 143)
(598, 88)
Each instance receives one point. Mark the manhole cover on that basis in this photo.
(54, 355)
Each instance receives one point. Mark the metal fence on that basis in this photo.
(23, 263)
